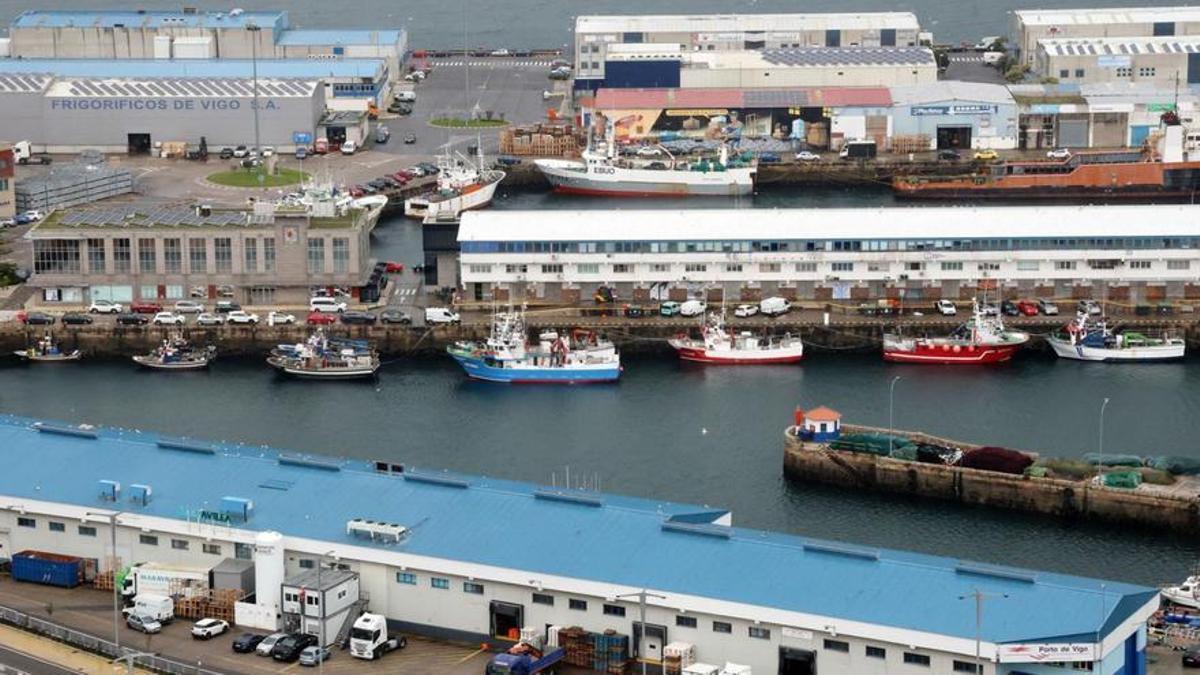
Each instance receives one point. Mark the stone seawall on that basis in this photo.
(1068, 499)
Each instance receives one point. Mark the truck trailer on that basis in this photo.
(160, 579)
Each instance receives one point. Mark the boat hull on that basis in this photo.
(1178, 597)
(983, 354)
(426, 207)
(50, 358)
(475, 368)
(737, 357)
(566, 177)
(1065, 350)
(1119, 180)
(154, 364)
(357, 373)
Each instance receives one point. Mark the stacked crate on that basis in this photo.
(910, 143)
(611, 650)
(577, 645)
(104, 581)
(677, 656)
(545, 140)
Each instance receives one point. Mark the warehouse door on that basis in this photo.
(953, 138)
(5, 546)
(797, 661)
(507, 619)
(877, 130)
(1109, 130)
(656, 637)
(1193, 72)
(139, 144)
(1072, 132)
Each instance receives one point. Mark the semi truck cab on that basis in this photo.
(369, 637)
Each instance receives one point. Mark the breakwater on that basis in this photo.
(1173, 507)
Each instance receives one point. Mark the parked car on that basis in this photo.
(1059, 153)
(443, 315)
(1047, 307)
(692, 308)
(246, 642)
(227, 306)
(268, 151)
(288, 649)
(1191, 658)
(768, 158)
(648, 151)
(168, 319)
(949, 155)
(266, 644)
(986, 155)
(668, 308)
(358, 318)
(1090, 307)
(208, 628)
(327, 305)
(417, 171)
(946, 308)
(242, 318)
(275, 318)
(188, 307)
(105, 307)
(349, 148)
(38, 319)
(224, 291)
(501, 52)
(146, 307)
(131, 319)
(144, 624)
(301, 152)
(774, 306)
(226, 153)
(312, 655)
(241, 151)
(807, 156)
(207, 319)
(1027, 307)
(34, 215)
(1009, 308)
(744, 311)
(634, 311)
(76, 319)
(395, 316)
(382, 134)
(410, 138)
(989, 309)
(320, 319)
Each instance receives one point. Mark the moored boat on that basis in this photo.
(325, 358)
(1087, 339)
(581, 357)
(46, 350)
(717, 345)
(176, 353)
(1186, 594)
(461, 186)
(981, 340)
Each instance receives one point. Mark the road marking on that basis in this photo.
(470, 656)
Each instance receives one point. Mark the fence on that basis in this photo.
(96, 645)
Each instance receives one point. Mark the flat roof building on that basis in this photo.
(834, 254)
(1031, 25)
(1161, 62)
(776, 602)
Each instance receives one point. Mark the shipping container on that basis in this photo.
(50, 569)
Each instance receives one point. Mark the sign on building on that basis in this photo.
(963, 109)
(1047, 653)
(1115, 61)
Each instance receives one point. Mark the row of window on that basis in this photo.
(910, 658)
(801, 245)
(63, 256)
(1142, 72)
(145, 539)
(812, 267)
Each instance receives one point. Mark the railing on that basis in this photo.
(96, 645)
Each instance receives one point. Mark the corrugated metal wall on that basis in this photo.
(647, 74)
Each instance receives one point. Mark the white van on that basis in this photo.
(326, 305)
(405, 97)
(440, 315)
(774, 306)
(692, 308)
(158, 607)
(349, 148)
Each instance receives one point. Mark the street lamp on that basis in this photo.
(979, 596)
(254, 33)
(112, 530)
(641, 632)
(892, 412)
(129, 658)
(1100, 460)
(321, 610)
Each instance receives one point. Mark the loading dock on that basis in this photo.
(139, 144)
(506, 620)
(953, 137)
(794, 661)
(656, 638)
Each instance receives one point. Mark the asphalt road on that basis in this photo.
(13, 662)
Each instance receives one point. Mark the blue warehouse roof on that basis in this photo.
(678, 548)
(299, 37)
(36, 18)
(182, 68)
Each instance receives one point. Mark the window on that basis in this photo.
(1124, 72)
(1139, 264)
(876, 652)
(316, 255)
(148, 539)
(197, 256)
(722, 627)
(406, 578)
(223, 253)
(472, 587)
(307, 563)
(1064, 264)
(1064, 74)
(172, 256)
(695, 267)
(1028, 265)
(1178, 264)
(212, 549)
(660, 267)
(1079, 72)
(685, 621)
(26, 522)
(543, 599)
(439, 583)
(989, 267)
(587, 268)
(575, 603)
(56, 256)
(843, 267)
(806, 267)
(487, 269)
(312, 600)
(914, 266)
(916, 659)
(760, 633)
(148, 292)
(341, 255)
(878, 267)
(952, 267)
(546, 269)
(1146, 72)
(250, 255)
(965, 667)
(614, 610)
(769, 268)
(95, 256)
(57, 527)
(86, 531)
(733, 267)
(516, 269)
(179, 544)
(621, 268)
(122, 257)
(146, 256)
(837, 646)
(240, 551)
(268, 254)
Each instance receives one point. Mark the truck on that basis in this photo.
(859, 149)
(161, 608)
(23, 153)
(49, 569)
(161, 579)
(524, 659)
(369, 637)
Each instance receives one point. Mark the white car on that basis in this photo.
(210, 319)
(105, 307)
(268, 150)
(440, 315)
(806, 156)
(168, 319)
(745, 310)
(416, 171)
(1089, 307)
(692, 308)
(326, 305)
(349, 148)
(241, 151)
(268, 643)
(946, 308)
(280, 319)
(1047, 307)
(208, 628)
(648, 151)
(501, 52)
(240, 317)
(1059, 153)
(34, 215)
(189, 307)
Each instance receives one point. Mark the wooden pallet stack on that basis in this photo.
(677, 656)
(543, 140)
(103, 581)
(578, 647)
(910, 143)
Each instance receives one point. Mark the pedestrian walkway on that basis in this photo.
(494, 63)
(50, 654)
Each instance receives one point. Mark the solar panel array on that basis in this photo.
(849, 56)
(177, 87)
(150, 215)
(24, 84)
(1116, 46)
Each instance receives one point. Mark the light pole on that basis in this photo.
(129, 658)
(979, 596)
(641, 631)
(892, 412)
(112, 531)
(321, 611)
(254, 33)
(1100, 460)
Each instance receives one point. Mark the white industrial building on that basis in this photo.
(1031, 25)
(473, 558)
(1163, 62)
(835, 254)
(808, 67)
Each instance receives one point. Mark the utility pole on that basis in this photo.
(641, 631)
(321, 611)
(979, 596)
(129, 658)
(1100, 461)
(892, 413)
(112, 531)
(254, 33)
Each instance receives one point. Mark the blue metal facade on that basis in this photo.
(641, 74)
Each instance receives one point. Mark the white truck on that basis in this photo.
(369, 637)
(23, 153)
(161, 579)
(161, 608)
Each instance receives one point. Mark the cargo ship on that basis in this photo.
(982, 340)
(462, 185)
(1160, 174)
(581, 357)
(716, 345)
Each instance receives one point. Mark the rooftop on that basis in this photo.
(814, 57)
(962, 222)
(1120, 46)
(682, 550)
(952, 90)
(135, 216)
(191, 87)
(39, 18)
(244, 68)
(305, 37)
(1108, 15)
(330, 579)
(745, 22)
(609, 99)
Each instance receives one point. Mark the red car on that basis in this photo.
(357, 191)
(394, 268)
(321, 318)
(402, 177)
(146, 307)
(1027, 307)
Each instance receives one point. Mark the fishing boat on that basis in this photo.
(324, 358)
(462, 185)
(1186, 594)
(176, 353)
(46, 350)
(1091, 339)
(506, 356)
(718, 345)
(981, 340)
